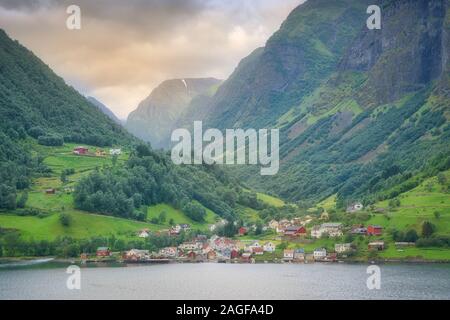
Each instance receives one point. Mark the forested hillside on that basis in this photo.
(360, 111)
(36, 104)
(39, 110)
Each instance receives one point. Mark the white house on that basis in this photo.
(288, 254)
(170, 252)
(320, 254)
(116, 152)
(143, 234)
(342, 247)
(331, 229)
(269, 247)
(355, 207)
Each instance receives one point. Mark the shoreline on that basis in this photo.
(12, 262)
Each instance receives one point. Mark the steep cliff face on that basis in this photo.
(295, 60)
(353, 104)
(405, 55)
(155, 117)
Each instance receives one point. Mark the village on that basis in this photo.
(290, 237)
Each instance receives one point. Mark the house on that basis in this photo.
(50, 191)
(288, 254)
(374, 230)
(359, 230)
(255, 244)
(114, 152)
(320, 254)
(376, 245)
(192, 255)
(136, 255)
(258, 251)
(273, 224)
(242, 231)
(143, 233)
(169, 252)
(246, 257)
(201, 238)
(355, 207)
(185, 227)
(190, 246)
(175, 230)
(211, 255)
(295, 231)
(103, 252)
(100, 153)
(342, 247)
(316, 232)
(331, 229)
(404, 244)
(234, 254)
(299, 255)
(332, 257)
(80, 150)
(324, 216)
(269, 247)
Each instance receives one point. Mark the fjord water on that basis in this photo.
(229, 281)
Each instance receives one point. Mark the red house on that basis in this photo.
(234, 254)
(80, 150)
(374, 230)
(295, 231)
(242, 231)
(103, 252)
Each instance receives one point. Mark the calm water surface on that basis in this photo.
(229, 281)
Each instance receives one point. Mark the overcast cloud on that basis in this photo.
(126, 48)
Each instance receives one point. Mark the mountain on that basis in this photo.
(360, 111)
(43, 119)
(155, 117)
(104, 109)
(36, 106)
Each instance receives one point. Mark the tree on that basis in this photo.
(7, 197)
(283, 246)
(427, 229)
(437, 214)
(22, 200)
(114, 159)
(171, 222)
(442, 179)
(162, 217)
(195, 211)
(65, 219)
(63, 177)
(411, 236)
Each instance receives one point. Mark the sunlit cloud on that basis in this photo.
(126, 48)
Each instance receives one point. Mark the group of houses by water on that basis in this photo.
(240, 250)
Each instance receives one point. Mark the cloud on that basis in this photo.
(126, 48)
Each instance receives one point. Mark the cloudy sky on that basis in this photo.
(126, 48)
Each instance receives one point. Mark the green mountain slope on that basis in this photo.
(360, 110)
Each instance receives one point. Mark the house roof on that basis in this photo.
(293, 228)
(301, 250)
(331, 225)
(102, 248)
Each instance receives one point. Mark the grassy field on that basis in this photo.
(179, 217)
(83, 225)
(416, 206)
(270, 200)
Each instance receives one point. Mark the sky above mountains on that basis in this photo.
(126, 48)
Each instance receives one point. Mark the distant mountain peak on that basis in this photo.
(156, 115)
